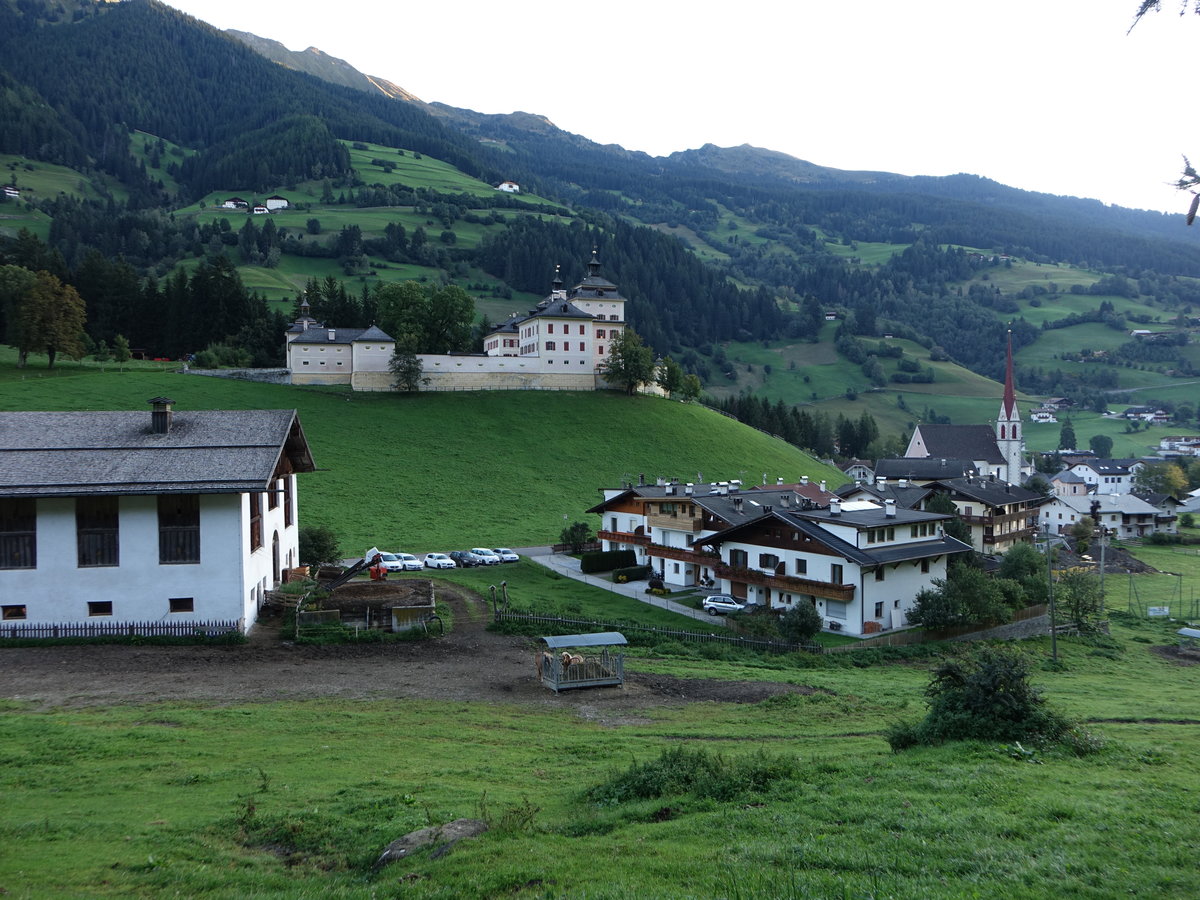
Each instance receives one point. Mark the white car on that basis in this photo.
(505, 554)
(391, 562)
(438, 561)
(489, 557)
(411, 563)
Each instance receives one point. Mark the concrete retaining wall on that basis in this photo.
(267, 376)
(1013, 631)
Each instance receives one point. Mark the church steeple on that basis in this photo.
(593, 265)
(1008, 408)
(1008, 425)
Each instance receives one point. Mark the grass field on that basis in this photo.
(448, 470)
(295, 799)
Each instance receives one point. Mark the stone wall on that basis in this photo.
(1013, 631)
(267, 376)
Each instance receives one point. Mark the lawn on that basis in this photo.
(296, 799)
(448, 470)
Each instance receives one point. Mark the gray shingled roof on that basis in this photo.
(993, 492)
(74, 454)
(923, 468)
(320, 335)
(961, 441)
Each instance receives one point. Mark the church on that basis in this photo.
(996, 451)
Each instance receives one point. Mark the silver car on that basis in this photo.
(716, 604)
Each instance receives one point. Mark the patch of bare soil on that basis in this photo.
(1183, 656)
(468, 664)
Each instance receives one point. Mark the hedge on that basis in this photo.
(606, 560)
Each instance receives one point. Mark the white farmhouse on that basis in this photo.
(862, 566)
(509, 187)
(275, 202)
(125, 517)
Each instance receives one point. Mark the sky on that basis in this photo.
(1057, 96)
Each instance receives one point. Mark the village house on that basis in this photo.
(1109, 476)
(158, 516)
(1179, 445)
(858, 470)
(921, 471)
(275, 202)
(320, 355)
(904, 493)
(661, 522)
(1000, 515)
(509, 187)
(1124, 515)
(859, 564)
(1069, 483)
(235, 203)
(11, 192)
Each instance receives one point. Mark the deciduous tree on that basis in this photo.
(630, 364)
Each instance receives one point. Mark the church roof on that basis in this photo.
(923, 468)
(974, 442)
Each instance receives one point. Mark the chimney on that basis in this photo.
(779, 480)
(804, 479)
(642, 479)
(889, 508)
(903, 482)
(737, 504)
(723, 488)
(332, 334)
(670, 490)
(687, 488)
(660, 481)
(785, 500)
(835, 507)
(766, 510)
(880, 482)
(160, 415)
(735, 486)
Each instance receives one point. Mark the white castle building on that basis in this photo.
(560, 344)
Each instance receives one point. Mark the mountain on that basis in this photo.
(321, 65)
(157, 114)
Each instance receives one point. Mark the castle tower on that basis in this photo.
(1009, 439)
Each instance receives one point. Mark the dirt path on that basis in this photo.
(469, 663)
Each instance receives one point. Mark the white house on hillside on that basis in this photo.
(862, 566)
(155, 516)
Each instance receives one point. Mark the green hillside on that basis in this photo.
(440, 471)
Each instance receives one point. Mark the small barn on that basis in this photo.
(560, 667)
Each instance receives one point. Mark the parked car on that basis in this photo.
(505, 554)
(391, 562)
(716, 604)
(438, 561)
(411, 563)
(489, 557)
(465, 559)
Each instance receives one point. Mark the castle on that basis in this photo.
(561, 344)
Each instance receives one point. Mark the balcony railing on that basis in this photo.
(624, 537)
(841, 592)
(683, 554)
(675, 523)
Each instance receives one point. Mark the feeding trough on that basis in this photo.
(581, 660)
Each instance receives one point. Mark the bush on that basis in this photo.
(318, 544)
(982, 695)
(632, 573)
(703, 774)
(800, 623)
(606, 560)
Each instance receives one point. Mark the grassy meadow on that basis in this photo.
(296, 799)
(438, 471)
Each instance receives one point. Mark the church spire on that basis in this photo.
(1008, 409)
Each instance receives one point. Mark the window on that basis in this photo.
(181, 604)
(600, 350)
(835, 608)
(273, 495)
(738, 558)
(550, 345)
(581, 347)
(768, 560)
(256, 528)
(879, 610)
(581, 331)
(835, 573)
(802, 567)
(100, 608)
(287, 500)
(550, 328)
(600, 334)
(879, 574)
(97, 536)
(925, 566)
(18, 534)
(179, 528)
(13, 613)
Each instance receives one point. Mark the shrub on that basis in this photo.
(318, 544)
(800, 622)
(606, 560)
(982, 695)
(706, 775)
(633, 573)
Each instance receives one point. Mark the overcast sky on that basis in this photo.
(1046, 95)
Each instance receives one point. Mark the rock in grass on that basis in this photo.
(443, 837)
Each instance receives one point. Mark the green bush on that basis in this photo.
(606, 560)
(985, 695)
(633, 573)
(701, 773)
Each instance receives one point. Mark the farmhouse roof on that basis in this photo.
(72, 454)
(923, 468)
(319, 334)
(993, 492)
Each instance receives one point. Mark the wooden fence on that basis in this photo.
(672, 633)
(122, 629)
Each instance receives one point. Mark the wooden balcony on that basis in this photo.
(843, 593)
(624, 537)
(684, 554)
(670, 522)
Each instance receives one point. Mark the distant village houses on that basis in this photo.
(509, 187)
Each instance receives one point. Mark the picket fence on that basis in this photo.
(589, 625)
(122, 629)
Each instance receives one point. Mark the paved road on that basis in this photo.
(569, 566)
